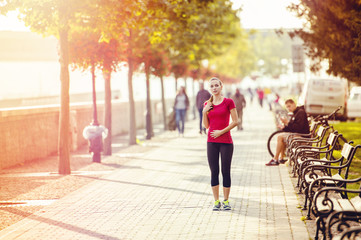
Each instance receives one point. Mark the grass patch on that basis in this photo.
(352, 132)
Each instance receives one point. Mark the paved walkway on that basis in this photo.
(165, 194)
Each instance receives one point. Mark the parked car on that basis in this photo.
(322, 96)
(354, 103)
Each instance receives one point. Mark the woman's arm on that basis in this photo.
(234, 123)
(205, 119)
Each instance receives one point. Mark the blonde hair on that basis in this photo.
(220, 82)
(217, 79)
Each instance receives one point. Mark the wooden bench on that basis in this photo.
(299, 145)
(327, 200)
(317, 173)
(340, 222)
(353, 233)
(296, 139)
(305, 156)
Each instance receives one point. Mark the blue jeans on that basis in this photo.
(179, 119)
(201, 128)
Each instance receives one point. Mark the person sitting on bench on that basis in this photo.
(297, 124)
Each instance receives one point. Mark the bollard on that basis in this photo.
(95, 135)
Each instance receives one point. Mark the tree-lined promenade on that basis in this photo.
(158, 37)
(183, 38)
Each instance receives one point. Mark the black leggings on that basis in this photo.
(226, 150)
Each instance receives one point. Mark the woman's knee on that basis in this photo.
(227, 182)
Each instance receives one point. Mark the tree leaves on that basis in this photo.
(332, 33)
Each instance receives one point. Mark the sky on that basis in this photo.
(258, 14)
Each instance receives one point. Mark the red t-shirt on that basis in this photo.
(218, 119)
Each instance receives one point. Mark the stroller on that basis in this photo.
(171, 120)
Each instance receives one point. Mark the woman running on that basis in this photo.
(216, 118)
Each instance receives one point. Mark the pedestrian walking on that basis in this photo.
(240, 102)
(216, 118)
(276, 102)
(250, 93)
(181, 105)
(269, 97)
(202, 96)
(260, 94)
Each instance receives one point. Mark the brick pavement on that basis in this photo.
(165, 194)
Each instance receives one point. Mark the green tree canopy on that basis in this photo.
(332, 32)
(200, 30)
(238, 60)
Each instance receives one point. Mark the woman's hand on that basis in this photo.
(216, 133)
(208, 107)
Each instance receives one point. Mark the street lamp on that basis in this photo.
(95, 133)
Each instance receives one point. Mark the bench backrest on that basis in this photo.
(332, 137)
(332, 142)
(321, 131)
(348, 152)
(313, 127)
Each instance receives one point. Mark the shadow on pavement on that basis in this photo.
(61, 224)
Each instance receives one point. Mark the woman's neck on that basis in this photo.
(217, 99)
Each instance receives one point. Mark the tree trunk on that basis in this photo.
(95, 111)
(108, 112)
(64, 118)
(163, 104)
(148, 116)
(185, 83)
(132, 123)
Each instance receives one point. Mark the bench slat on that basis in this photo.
(321, 207)
(356, 202)
(336, 177)
(346, 205)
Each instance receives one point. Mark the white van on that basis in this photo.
(323, 96)
(354, 103)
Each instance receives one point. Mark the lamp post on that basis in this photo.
(95, 132)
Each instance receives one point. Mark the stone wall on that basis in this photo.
(31, 133)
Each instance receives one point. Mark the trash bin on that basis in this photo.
(95, 135)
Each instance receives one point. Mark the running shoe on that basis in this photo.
(226, 205)
(282, 161)
(217, 206)
(272, 163)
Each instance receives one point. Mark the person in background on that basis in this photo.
(250, 93)
(202, 96)
(240, 102)
(277, 101)
(181, 105)
(260, 96)
(268, 96)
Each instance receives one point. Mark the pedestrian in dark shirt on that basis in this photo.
(240, 102)
(297, 124)
(202, 96)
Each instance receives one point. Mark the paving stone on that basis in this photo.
(165, 194)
